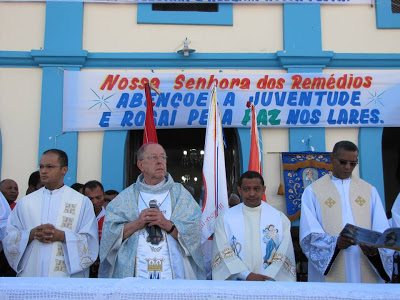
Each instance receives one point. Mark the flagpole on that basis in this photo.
(214, 105)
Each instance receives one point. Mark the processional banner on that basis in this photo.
(300, 169)
(104, 100)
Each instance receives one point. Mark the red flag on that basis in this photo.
(255, 155)
(149, 134)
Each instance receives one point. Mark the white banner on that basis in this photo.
(215, 195)
(115, 100)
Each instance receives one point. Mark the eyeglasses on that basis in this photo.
(153, 158)
(47, 167)
(345, 162)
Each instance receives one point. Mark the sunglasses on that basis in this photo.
(345, 162)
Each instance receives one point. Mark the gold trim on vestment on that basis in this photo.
(287, 264)
(218, 258)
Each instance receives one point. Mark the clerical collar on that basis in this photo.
(101, 214)
(156, 185)
(252, 209)
(160, 188)
(55, 191)
(335, 178)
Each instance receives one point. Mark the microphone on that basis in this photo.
(153, 204)
(154, 231)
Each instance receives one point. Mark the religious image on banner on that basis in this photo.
(300, 169)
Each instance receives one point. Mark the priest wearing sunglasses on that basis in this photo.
(328, 204)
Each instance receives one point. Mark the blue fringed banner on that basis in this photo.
(300, 169)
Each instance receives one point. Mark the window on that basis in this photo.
(388, 14)
(396, 6)
(391, 164)
(185, 7)
(185, 13)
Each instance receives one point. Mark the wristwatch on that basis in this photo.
(172, 228)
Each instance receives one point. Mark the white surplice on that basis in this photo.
(4, 212)
(81, 245)
(396, 212)
(313, 238)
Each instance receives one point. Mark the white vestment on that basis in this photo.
(254, 240)
(4, 212)
(68, 211)
(154, 261)
(319, 247)
(396, 212)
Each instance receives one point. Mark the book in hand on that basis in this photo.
(390, 238)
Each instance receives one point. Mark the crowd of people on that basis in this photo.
(152, 229)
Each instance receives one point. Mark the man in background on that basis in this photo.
(77, 187)
(34, 182)
(233, 200)
(94, 190)
(9, 189)
(109, 195)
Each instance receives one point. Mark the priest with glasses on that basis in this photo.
(152, 228)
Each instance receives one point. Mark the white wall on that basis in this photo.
(90, 146)
(274, 140)
(21, 29)
(352, 29)
(113, 28)
(20, 102)
(22, 25)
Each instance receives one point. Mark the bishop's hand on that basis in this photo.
(156, 217)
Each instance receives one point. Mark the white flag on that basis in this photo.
(215, 194)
